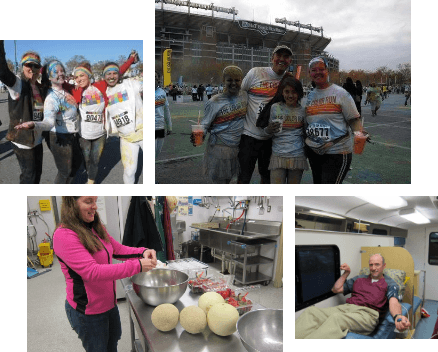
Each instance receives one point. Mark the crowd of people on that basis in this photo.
(74, 119)
(259, 119)
(196, 91)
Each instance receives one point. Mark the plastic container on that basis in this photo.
(198, 133)
(359, 142)
(190, 266)
(211, 283)
(242, 298)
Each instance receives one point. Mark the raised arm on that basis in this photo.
(133, 57)
(6, 76)
(339, 284)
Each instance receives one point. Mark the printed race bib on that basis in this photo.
(316, 130)
(38, 115)
(122, 119)
(93, 117)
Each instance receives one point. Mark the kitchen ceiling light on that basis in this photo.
(386, 202)
(414, 216)
(322, 213)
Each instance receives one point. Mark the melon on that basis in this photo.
(222, 319)
(165, 317)
(193, 319)
(208, 299)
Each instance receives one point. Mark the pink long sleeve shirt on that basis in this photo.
(90, 278)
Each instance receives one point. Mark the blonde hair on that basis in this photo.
(70, 219)
(232, 71)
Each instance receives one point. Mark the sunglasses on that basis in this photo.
(33, 66)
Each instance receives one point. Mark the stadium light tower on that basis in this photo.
(299, 25)
(190, 4)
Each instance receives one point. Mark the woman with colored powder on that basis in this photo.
(288, 160)
(125, 112)
(92, 100)
(62, 120)
(26, 102)
(224, 117)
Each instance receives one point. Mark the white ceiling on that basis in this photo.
(357, 208)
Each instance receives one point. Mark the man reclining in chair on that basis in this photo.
(370, 297)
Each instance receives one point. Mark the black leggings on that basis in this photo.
(252, 150)
(328, 168)
(31, 163)
(67, 154)
(92, 151)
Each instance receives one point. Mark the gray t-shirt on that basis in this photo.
(261, 84)
(327, 113)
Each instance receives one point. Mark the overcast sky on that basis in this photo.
(365, 34)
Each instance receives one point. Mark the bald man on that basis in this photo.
(371, 296)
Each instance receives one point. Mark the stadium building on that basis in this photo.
(199, 32)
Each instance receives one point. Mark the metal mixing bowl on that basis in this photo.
(262, 330)
(160, 286)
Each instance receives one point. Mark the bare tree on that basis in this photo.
(47, 59)
(405, 72)
(74, 62)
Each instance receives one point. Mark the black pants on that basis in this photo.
(328, 168)
(252, 150)
(92, 150)
(31, 163)
(67, 154)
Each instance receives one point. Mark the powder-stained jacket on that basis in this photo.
(90, 278)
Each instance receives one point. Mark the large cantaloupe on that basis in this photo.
(222, 319)
(193, 319)
(208, 299)
(165, 317)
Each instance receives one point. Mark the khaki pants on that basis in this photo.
(336, 322)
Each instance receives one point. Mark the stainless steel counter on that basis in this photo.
(148, 338)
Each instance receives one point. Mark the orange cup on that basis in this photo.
(198, 133)
(359, 142)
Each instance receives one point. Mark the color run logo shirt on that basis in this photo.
(261, 83)
(125, 108)
(162, 113)
(91, 109)
(289, 143)
(224, 118)
(327, 113)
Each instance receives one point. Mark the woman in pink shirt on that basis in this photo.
(85, 252)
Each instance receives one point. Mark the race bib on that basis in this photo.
(94, 117)
(261, 107)
(38, 115)
(316, 130)
(122, 119)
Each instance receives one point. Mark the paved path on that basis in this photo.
(388, 160)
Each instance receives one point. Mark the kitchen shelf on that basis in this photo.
(254, 260)
(252, 277)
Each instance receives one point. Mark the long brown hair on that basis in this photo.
(70, 219)
(287, 80)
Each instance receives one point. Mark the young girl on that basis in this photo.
(224, 115)
(288, 160)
